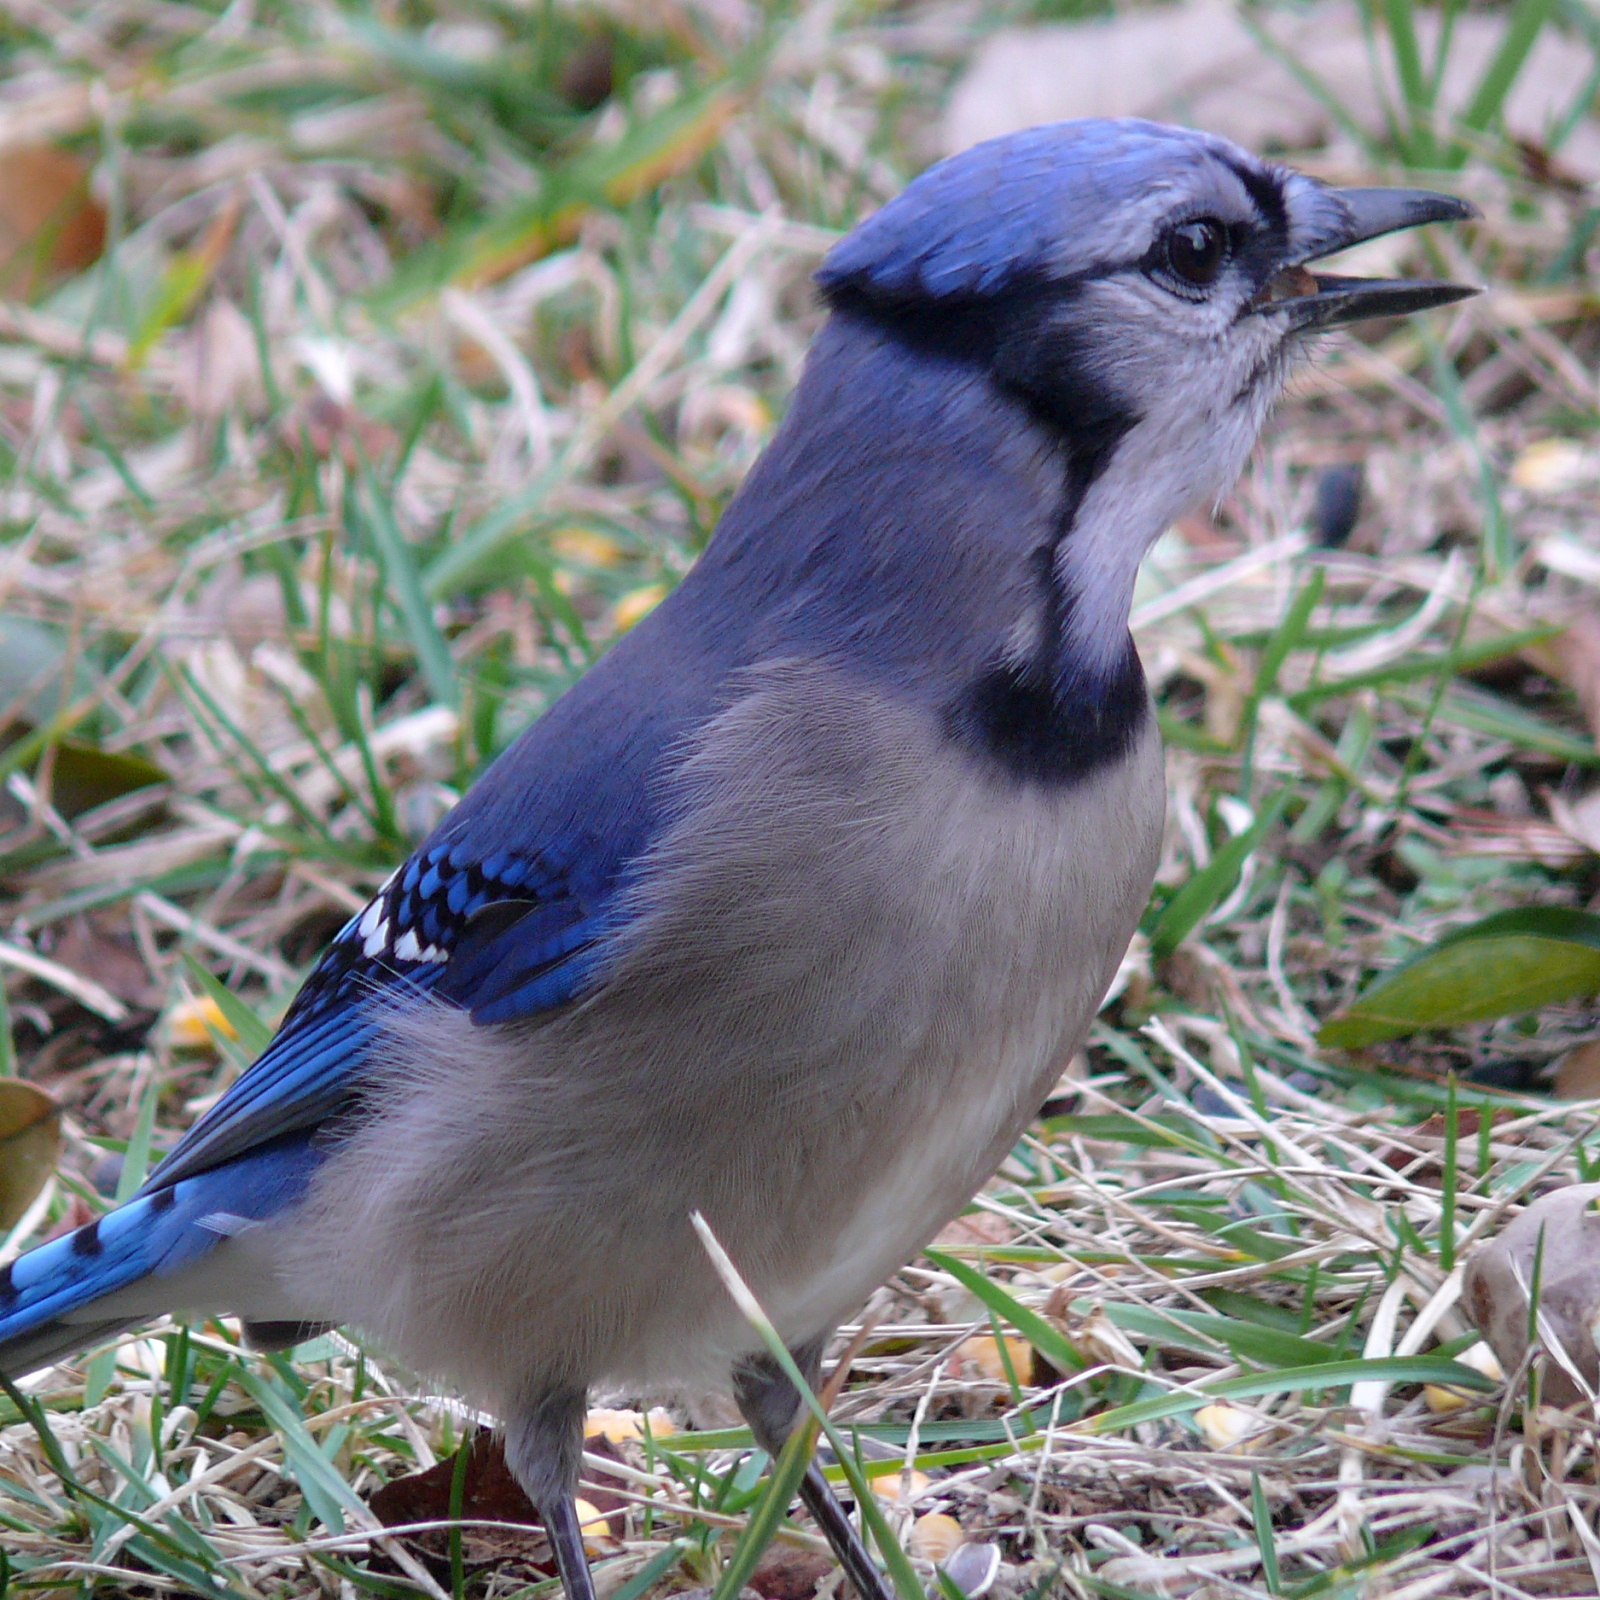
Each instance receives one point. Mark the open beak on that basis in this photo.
(1315, 300)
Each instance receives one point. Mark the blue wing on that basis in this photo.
(507, 911)
(503, 935)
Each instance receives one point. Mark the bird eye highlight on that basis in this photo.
(1197, 251)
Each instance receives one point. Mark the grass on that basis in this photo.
(427, 345)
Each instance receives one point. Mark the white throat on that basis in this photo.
(1163, 467)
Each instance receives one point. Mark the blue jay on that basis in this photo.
(792, 911)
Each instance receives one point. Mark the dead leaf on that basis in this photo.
(220, 364)
(326, 428)
(491, 1494)
(91, 946)
(1578, 1076)
(30, 1146)
(1573, 656)
(787, 1572)
(50, 225)
(1578, 819)
(1428, 1140)
(1561, 1231)
(1476, 832)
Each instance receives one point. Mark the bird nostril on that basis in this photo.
(1293, 283)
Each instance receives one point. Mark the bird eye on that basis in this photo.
(1197, 251)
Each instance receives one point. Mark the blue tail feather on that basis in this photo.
(157, 1234)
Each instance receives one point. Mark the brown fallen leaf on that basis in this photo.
(1573, 656)
(489, 1494)
(976, 1227)
(1578, 1076)
(787, 1572)
(50, 225)
(1561, 1232)
(30, 1146)
(1428, 1137)
(90, 944)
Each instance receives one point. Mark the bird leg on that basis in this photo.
(562, 1529)
(544, 1444)
(770, 1403)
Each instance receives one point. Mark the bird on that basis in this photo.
(791, 911)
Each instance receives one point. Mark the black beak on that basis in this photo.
(1311, 301)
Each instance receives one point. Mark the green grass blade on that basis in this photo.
(1322, 1375)
(433, 654)
(783, 1484)
(1528, 17)
(325, 1489)
(1412, 668)
(1448, 1181)
(1261, 1516)
(900, 1569)
(1285, 638)
(254, 1034)
(1413, 89)
(1207, 888)
(1047, 1339)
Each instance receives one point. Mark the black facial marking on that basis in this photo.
(1266, 189)
(86, 1241)
(1028, 340)
(7, 1288)
(1043, 720)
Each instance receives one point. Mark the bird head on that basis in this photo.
(1143, 290)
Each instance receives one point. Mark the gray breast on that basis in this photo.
(860, 961)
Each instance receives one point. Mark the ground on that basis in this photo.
(363, 372)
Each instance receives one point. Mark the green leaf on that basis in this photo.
(1043, 1335)
(1212, 883)
(30, 1146)
(84, 777)
(1512, 962)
